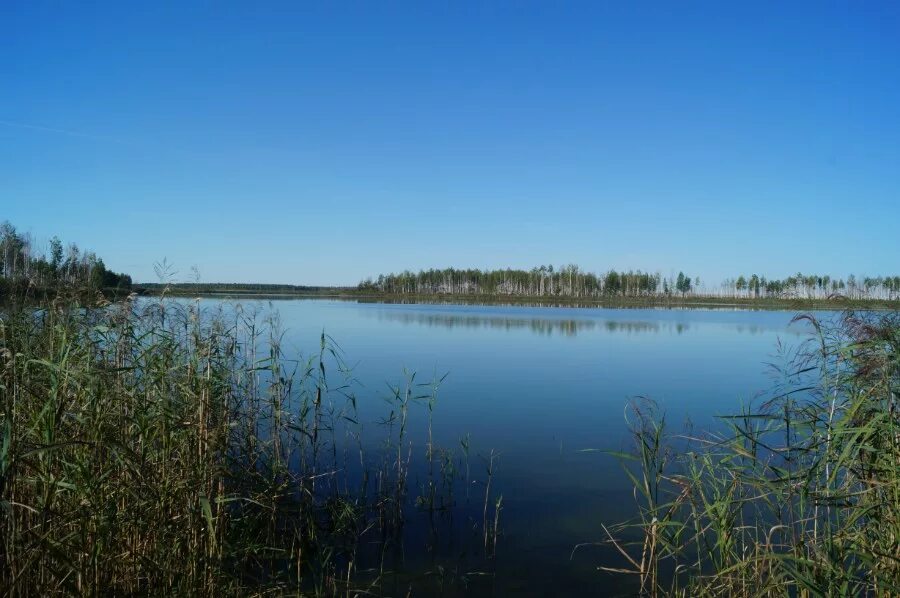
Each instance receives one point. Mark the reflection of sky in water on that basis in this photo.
(523, 375)
(539, 384)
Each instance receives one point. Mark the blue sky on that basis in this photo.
(318, 143)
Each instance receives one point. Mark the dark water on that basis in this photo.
(539, 385)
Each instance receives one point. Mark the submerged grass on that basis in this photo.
(151, 447)
(799, 496)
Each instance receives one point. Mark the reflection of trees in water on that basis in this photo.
(637, 327)
(750, 329)
(544, 326)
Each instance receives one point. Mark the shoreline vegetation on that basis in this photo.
(797, 495)
(253, 291)
(569, 286)
(163, 448)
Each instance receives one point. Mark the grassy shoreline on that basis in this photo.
(793, 304)
(164, 448)
(799, 495)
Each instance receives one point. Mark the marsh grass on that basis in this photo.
(797, 496)
(154, 447)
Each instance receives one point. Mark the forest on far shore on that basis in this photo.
(574, 282)
(25, 265)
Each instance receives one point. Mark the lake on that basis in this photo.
(538, 386)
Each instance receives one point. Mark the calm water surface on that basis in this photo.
(538, 385)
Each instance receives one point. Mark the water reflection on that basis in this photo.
(541, 326)
(541, 303)
(754, 329)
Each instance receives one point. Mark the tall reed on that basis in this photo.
(799, 496)
(151, 446)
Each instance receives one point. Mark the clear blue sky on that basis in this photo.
(322, 142)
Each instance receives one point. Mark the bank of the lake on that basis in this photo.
(673, 301)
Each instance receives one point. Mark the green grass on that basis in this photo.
(152, 447)
(797, 496)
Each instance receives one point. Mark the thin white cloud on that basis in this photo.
(18, 125)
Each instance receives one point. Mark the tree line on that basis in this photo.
(567, 281)
(23, 262)
(813, 286)
(572, 281)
